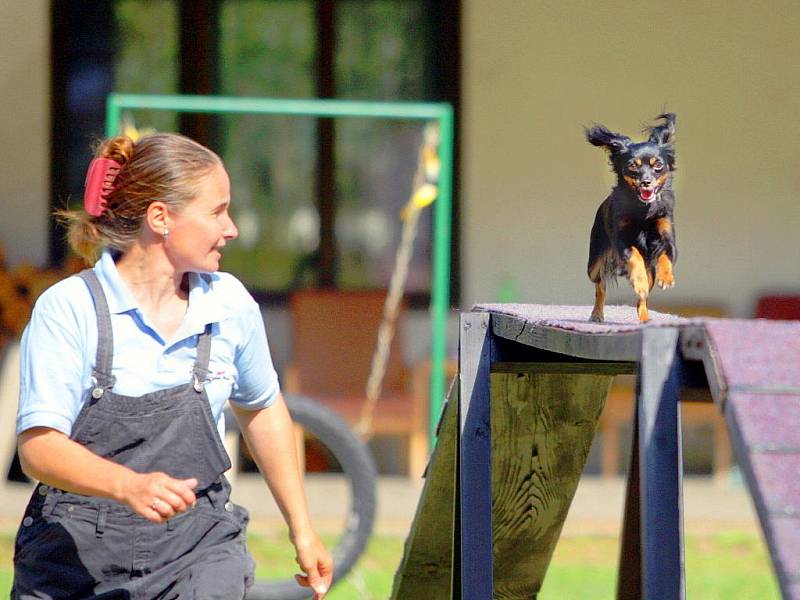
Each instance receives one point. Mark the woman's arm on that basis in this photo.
(51, 457)
(269, 435)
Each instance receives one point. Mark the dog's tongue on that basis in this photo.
(645, 194)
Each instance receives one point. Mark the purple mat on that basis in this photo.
(767, 422)
(756, 353)
(619, 319)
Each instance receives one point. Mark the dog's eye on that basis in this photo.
(633, 167)
(658, 165)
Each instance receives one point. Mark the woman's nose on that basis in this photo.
(231, 231)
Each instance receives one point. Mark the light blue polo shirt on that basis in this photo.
(58, 348)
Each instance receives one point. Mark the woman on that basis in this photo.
(126, 369)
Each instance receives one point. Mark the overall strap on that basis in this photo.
(101, 373)
(200, 370)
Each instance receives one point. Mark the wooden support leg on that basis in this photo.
(629, 582)
(660, 466)
(474, 542)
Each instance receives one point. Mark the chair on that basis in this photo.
(783, 307)
(334, 338)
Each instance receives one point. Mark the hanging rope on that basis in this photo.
(425, 189)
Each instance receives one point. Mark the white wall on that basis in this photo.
(25, 130)
(534, 73)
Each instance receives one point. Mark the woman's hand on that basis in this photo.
(54, 459)
(315, 562)
(157, 496)
(269, 434)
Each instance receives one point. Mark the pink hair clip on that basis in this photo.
(99, 183)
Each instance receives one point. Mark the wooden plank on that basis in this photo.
(474, 458)
(613, 347)
(660, 467)
(542, 429)
(426, 569)
(566, 368)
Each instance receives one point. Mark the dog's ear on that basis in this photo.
(598, 135)
(664, 133)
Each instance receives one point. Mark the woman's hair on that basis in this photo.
(165, 166)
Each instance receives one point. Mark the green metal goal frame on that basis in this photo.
(424, 111)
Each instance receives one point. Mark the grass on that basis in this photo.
(732, 565)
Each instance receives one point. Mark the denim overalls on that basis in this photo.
(81, 547)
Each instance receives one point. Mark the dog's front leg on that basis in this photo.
(667, 253)
(599, 301)
(637, 275)
(664, 277)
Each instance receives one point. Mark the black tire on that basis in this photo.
(359, 467)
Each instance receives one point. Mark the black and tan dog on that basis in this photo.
(633, 233)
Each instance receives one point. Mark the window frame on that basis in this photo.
(198, 24)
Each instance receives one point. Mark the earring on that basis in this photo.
(165, 234)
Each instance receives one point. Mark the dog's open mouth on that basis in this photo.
(647, 194)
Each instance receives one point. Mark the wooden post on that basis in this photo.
(474, 546)
(629, 579)
(658, 506)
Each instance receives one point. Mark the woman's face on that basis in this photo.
(201, 229)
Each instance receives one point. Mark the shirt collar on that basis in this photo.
(118, 295)
(203, 308)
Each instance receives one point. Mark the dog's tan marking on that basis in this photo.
(652, 160)
(641, 310)
(664, 277)
(664, 226)
(595, 269)
(638, 162)
(630, 181)
(599, 302)
(637, 272)
(662, 179)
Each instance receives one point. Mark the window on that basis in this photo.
(316, 200)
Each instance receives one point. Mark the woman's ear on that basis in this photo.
(157, 217)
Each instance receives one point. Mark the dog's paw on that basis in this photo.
(665, 282)
(596, 317)
(664, 277)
